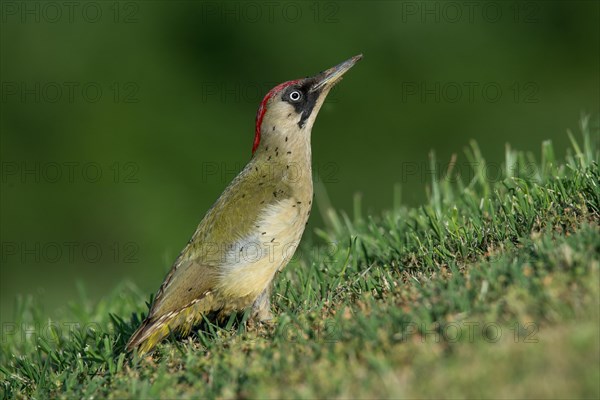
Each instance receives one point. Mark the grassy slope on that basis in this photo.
(489, 290)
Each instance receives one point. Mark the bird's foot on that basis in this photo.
(261, 309)
(263, 315)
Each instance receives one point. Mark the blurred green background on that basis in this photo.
(122, 122)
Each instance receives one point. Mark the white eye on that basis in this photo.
(295, 96)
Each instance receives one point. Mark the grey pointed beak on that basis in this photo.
(333, 75)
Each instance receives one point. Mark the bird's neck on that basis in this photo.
(288, 154)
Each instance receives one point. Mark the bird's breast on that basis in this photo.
(251, 262)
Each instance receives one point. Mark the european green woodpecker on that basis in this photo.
(254, 228)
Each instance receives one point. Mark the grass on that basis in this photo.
(490, 289)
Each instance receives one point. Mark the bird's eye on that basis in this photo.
(295, 96)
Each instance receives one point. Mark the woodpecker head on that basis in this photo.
(290, 109)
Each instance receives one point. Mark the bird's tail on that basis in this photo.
(147, 336)
(154, 329)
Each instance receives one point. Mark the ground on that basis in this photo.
(490, 289)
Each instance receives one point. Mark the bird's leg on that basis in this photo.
(261, 309)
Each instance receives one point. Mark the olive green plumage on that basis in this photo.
(259, 186)
(253, 229)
